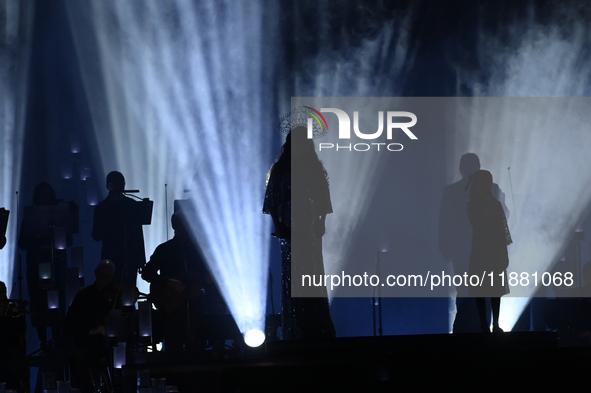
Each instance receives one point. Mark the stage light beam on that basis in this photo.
(546, 149)
(17, 19)
(170, 107)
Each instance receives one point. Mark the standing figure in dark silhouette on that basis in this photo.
(455, 236)
(3, 225)
(179, 278)
(3, 299)
(85, 322)
(37, 238)
(116, 224)
(298, 200)
(490, 239)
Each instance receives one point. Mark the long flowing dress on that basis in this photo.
(490, 238)
(302, 316)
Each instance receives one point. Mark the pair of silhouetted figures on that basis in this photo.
(473, 235)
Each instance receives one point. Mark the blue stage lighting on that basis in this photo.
(182, 96)
(17, 19)
(546, 149)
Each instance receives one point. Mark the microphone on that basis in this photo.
(131, 191)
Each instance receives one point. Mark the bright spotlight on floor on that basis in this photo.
(254, 338)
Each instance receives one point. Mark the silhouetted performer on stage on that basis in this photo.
(38, 241)
(116, 224)
(298, 182)
(85, 322)
(3, 299)
(490, 238)
(179, 279)
(455, 237)
(3, 225)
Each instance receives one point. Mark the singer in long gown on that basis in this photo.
(305, 192)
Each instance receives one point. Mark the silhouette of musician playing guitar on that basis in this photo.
(177, 275)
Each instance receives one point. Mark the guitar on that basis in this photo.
(169, 294)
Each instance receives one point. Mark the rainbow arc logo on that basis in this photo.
(325, 125)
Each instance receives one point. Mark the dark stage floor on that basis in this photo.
(513, 361)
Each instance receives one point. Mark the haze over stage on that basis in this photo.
(184, 97)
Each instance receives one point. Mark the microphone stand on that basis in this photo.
(20, 261)
(271, 291)
(166, 209)
(377, 301)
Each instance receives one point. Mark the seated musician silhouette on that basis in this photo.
(178, 278)
(119, 230)
(85, 322)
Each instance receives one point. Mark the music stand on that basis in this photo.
(52, 223)
(49, 221)
(143, 211)
(42, 218)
